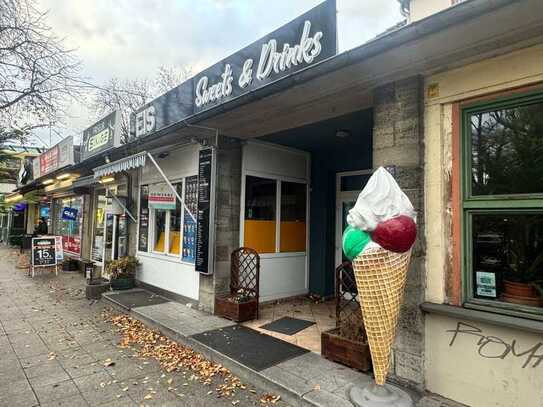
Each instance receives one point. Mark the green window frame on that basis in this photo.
(471, 205)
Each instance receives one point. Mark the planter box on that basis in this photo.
(123, 283)
(95, 288)
(238, 312)
(350, 353)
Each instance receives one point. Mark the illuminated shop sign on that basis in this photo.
(101, 136)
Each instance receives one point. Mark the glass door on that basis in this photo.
(348, 187)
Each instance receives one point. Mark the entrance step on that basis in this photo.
(305, 380)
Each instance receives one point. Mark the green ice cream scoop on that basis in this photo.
(354, 241)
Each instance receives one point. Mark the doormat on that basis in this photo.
(288, 325)
(249, 347)
(136, 298)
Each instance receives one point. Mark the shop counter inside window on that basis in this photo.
(502, 205)
(261, 222)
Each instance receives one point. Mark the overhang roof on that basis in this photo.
(471, 31)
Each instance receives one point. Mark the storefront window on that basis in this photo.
(160, 204)
(293, 216)
(69, 223)
(175, 224)
(97, 252)
(160, 229)
(261, 221)
(502, 205)
(260, 210)
(143, 238)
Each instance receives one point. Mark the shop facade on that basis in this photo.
(292, 157)
(166, 230)
(487, 236)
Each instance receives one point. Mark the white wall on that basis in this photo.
(275, 160)
(420, 9)
(163, 271)
(282, 275)
(169, 274)
(480, 369)
(181, 162)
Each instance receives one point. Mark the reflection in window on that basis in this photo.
(144, 219)
(175, 223)
(260, 214)
(160, 230)
(507, 256)
(293, 211)
(507, 150)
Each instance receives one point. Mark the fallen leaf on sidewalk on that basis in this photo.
(148, 397)
(108, 362)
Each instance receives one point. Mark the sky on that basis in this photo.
(132, 38)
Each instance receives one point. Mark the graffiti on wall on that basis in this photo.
(493, 347)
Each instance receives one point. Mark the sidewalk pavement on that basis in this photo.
(306, 380)
(58, 350)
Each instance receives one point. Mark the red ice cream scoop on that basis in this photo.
(396, 234)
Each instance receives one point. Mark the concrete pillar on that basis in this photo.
(228, 193)
(397, 141)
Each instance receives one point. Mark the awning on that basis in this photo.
(124, 164)
(82, 182)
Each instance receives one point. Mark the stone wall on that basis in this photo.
(397, 141)
(228, 193)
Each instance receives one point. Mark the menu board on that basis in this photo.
(143, 238)
(203, 216)
(43, 251)
(189, 226)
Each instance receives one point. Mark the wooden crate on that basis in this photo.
(350, 353)
(238, 312)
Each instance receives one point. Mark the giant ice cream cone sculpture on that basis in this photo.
(380, 277)
(379, 238)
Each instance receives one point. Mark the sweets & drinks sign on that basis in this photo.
(303, 42)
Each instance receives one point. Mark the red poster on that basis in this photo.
(71, 245)
(49, 161)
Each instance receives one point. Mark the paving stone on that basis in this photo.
(104, 396)
(55, 391)
(95, 381)
(72, 401)
(76, 371)
(49, 368)
(56, 377)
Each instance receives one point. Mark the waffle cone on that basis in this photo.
(380, 278)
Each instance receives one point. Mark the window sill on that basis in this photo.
(282, 254)
(527, 325)
(165, 257)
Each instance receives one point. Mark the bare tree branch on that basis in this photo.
(39, 76)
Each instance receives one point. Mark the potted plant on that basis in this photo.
(122, 272)
(239, 307)
(524, 257)
(347, 343)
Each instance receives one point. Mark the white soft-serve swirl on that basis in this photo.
(380, 200)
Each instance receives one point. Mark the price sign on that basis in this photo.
(43, 251)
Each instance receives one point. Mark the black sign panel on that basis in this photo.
(203, 215)
(144, 219)
(43, 252)
(303, 42)
(101, 136)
